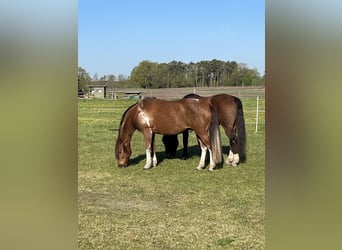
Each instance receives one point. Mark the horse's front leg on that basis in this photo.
(185, 154)
(149, 145)
(148, 164)
(154, 159)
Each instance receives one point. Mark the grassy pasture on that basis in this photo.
(172, 205)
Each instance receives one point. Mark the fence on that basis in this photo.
(177, 93)
(258, 111)
(254, 108)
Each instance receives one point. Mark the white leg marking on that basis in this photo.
(236, 160)
(148, 159)
(212, 163)
(230, 158)
(154, 160)
(202, 160)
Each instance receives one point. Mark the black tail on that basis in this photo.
(241, 131)
(215, 137)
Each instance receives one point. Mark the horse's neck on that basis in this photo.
(127, 128)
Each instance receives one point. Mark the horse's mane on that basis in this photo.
(120, 126)
(192, 96)
(147, 98)
(129, 108)
(124, 114)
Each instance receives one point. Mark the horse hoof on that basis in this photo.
(169, 156)
(229, 162)
(199, 168)
(211, 168)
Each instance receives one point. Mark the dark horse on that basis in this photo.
(230, 115)
(153, 116)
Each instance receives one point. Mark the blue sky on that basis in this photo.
(114, 36)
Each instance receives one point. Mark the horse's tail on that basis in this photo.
(215, 137)
(241, 131)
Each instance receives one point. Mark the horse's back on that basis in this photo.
(180, 114)
(151, 104)
(158, 106)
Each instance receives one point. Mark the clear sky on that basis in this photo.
(114, 36)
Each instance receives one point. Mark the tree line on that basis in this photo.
(176, 74)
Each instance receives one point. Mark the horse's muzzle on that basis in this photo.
(122, 165)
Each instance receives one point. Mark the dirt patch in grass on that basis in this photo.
(135, 204)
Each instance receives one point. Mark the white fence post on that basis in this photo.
(257, 116)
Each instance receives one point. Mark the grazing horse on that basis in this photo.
(230, 115)
(153, 116)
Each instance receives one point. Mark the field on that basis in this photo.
(172, 205)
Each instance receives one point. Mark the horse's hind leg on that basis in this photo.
(229, 133)
(204, 149)
(203, 154)
(233, 155)
(233, 159)
(212, 163)
(230, 129)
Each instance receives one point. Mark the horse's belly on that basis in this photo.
(168, 131)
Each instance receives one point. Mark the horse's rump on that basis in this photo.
(230, 116)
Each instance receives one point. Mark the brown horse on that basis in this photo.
(230, 115)
(153, 116)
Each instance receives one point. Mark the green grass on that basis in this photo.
(172, 205)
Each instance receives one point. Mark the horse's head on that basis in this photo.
(123, 144)
(122, 152)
